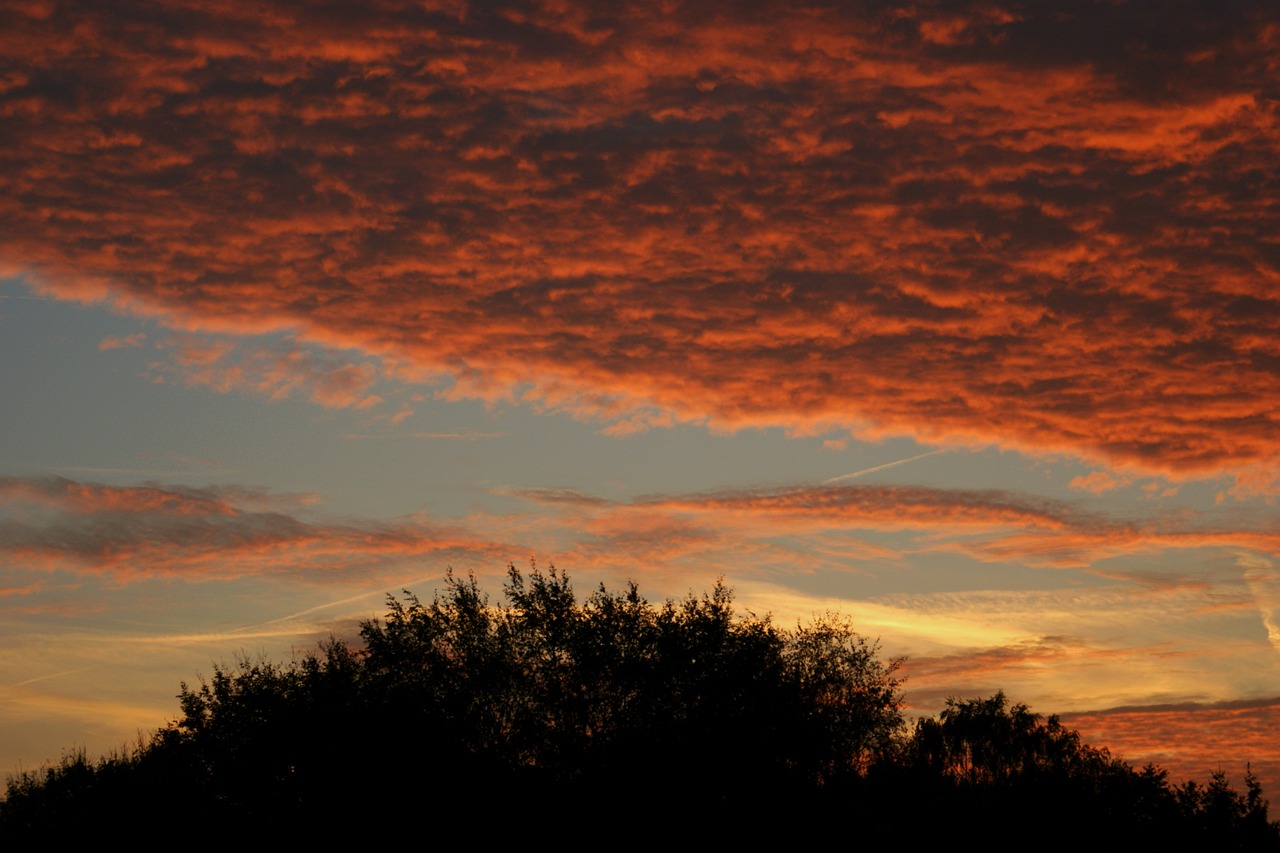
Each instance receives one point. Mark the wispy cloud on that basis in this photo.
(193, 470)
(227, 530)
(987, 525)
(111, 342)
(469, 435)
(224, 532)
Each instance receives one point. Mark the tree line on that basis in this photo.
(542, 716)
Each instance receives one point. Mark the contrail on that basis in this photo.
(42, 678)
(1261, 579)
(148, 472)
(320, 607)
(259, 630)
(882, 467)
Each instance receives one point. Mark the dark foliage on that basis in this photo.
(986, 763)
(545, 717)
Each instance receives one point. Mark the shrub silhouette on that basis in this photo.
(543, 716)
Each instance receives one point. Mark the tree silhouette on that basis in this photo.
(615, 692)
(988, 741)
(984, 762)
(543, 716)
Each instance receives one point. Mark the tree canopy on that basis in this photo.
(541, 706)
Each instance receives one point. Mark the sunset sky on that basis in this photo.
(962, 319)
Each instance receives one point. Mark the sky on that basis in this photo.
(959, 319)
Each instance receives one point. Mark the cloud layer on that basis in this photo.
(201, 533)
(1053, 229)
(230, 531)
(1191, 740)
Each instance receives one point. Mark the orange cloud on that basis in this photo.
(147, 529)
(90, 497)
(1098, 482)
(273, 371)
(223, 532)
(1193, 740)
(847, 522)
(1048, 230)
(111, 342)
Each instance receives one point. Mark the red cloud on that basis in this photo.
(1098, 482)
(275, 371)
(1192, 741)
(54, 522)
(1051, 230)
(213, 532)
(111, 342)
(68, 495)
(991, 526)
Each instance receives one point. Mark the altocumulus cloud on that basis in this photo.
(967, 222)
